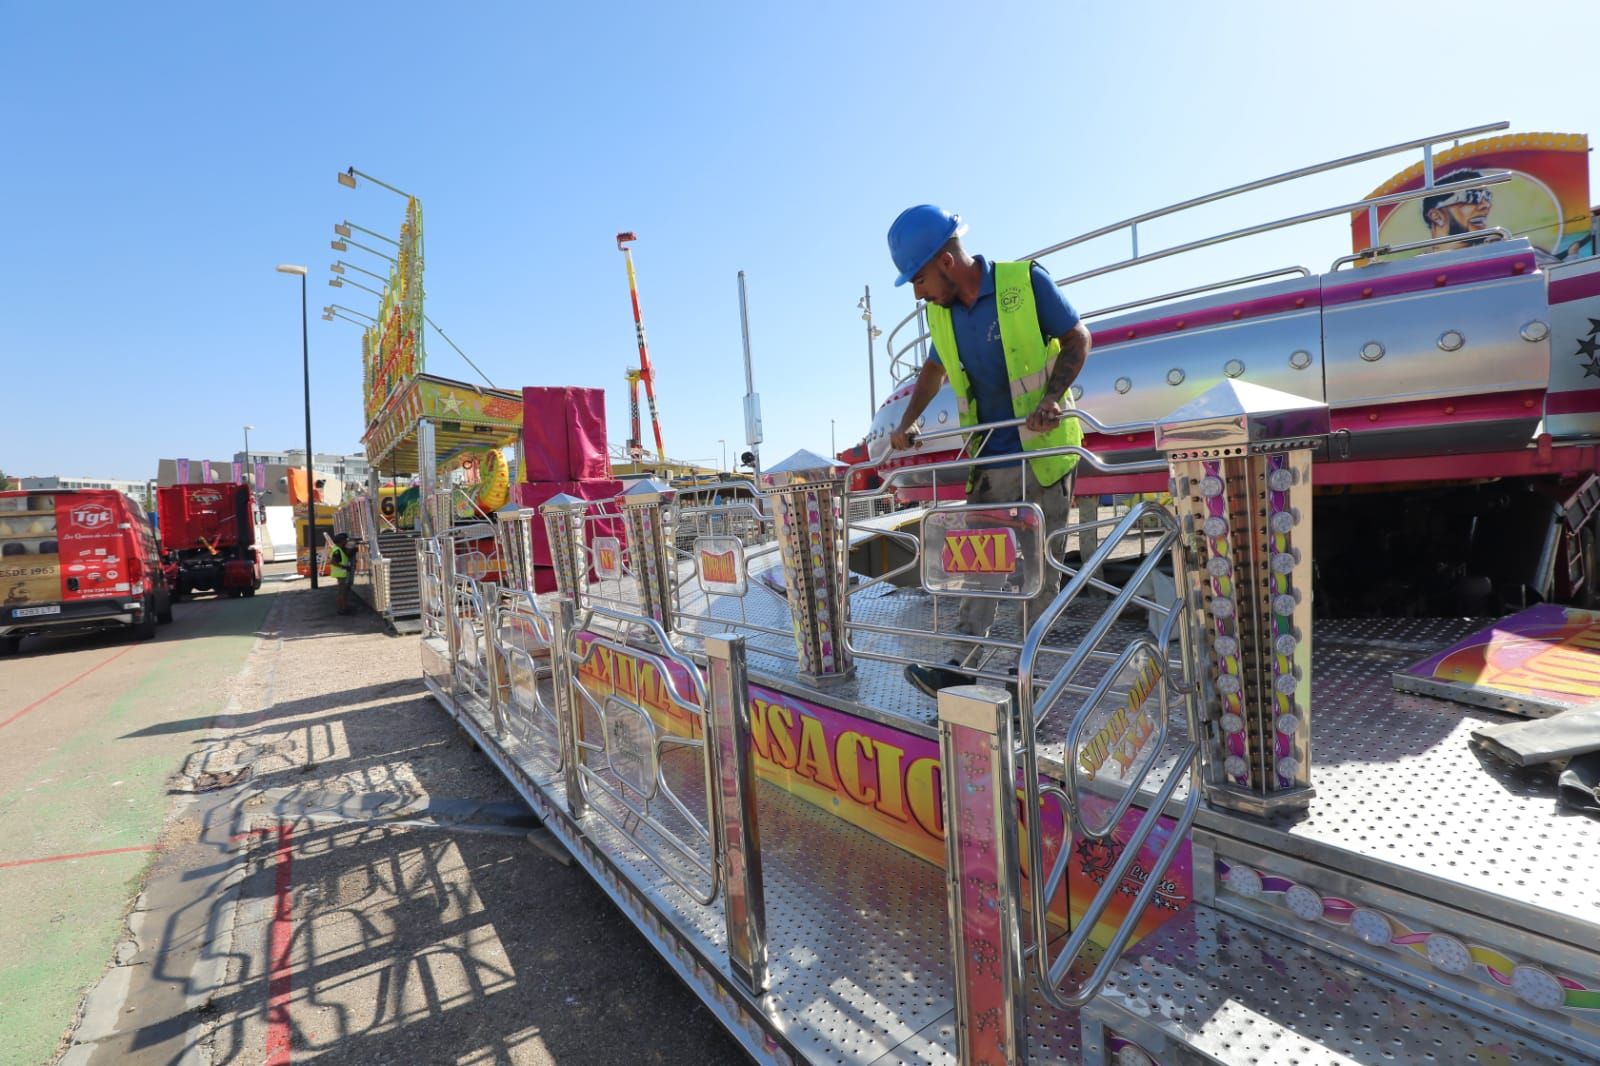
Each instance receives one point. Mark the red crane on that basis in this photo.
(644, 373)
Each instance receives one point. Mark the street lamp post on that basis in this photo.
(865, 304)
(833, 440)
(247, 430)
(305, 362)
(724, 444)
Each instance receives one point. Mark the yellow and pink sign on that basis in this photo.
(881, 779)
(979, 551)
(1546, 200)
(1536, 662)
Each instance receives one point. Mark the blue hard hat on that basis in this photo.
(918, 234)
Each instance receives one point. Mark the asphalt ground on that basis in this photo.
(322, 868)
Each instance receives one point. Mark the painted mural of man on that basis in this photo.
(1461, 212)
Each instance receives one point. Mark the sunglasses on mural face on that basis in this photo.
(1470, 197)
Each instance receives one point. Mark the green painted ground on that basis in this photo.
(88, 771)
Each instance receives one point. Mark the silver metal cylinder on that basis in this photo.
(808, 512)
(645, 505)
(563, 525)
(1240, 457)
(514, 539)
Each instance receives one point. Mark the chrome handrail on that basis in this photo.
(1493, 233)
(1301, 271)
(897, 356)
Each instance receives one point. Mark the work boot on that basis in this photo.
(930, 679)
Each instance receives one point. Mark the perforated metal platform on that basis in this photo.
(1233, 992)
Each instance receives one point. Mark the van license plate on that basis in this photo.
(29, 612)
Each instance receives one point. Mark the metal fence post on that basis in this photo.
(563, 525)
(1240, 457)
(810, 526)
(644, 506)
(569, 709)
(738, 834)
(493, 668)
(977, 765)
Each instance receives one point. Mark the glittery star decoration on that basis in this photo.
(1589, 346)
(1591, 369)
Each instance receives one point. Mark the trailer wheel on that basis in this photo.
(9, 645)
(164, 610)
(250, 591)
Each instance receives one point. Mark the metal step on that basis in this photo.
(1211, 988)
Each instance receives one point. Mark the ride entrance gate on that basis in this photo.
(1103, 850)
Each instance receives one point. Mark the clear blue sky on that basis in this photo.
(160, 160)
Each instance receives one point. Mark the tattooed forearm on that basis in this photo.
(1069, 364)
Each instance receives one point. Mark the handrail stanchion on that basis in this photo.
(494, 667)
(736, 831)
(645, 505)
(807, 491)
(1241, 481)
(977, 763)
(563, 524)
(569, 725)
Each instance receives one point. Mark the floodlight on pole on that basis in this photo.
(348, 179)
(343, 229)
(341, 266)
(345, 246)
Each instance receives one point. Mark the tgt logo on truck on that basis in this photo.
(91, 516)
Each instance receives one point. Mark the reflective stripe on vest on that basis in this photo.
(1028, 361)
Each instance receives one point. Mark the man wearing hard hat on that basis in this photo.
(1010, 345)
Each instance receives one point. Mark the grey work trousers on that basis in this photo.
(1005, 484)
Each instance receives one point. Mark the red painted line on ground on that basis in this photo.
(280, 983)
(51, 695)
(79, 855)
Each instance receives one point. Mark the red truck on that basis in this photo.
(73, 561)
(208, 539)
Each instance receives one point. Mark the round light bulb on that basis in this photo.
(1284, 603)
(1228, 685)
(1287, 724)
(1211, 486)
(1285, 684)
(1216, 526)
(1280, 479)
(1283, 521)
(1226, 646)
(1218, 566)
(1221, 607)
(1232, 723)
(1283, 563)
(1235, 766)
(1284, 644)
(1289, 767)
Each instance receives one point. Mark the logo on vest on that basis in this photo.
(1011, 299)
(979, 551)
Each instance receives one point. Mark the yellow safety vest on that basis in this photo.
(339, 563)
(1028, 361)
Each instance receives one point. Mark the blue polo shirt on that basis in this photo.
(983, 357)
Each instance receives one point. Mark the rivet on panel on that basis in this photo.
(1122, 385)
(1175, 376)
(1300, 359)
(1451, 340)
(1076, 392)
(1233, 367)
(1535, 331)
(1372, 351)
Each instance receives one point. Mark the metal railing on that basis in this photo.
(984, 648)
(906, 356)
(624, 775)
(1155, 660)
